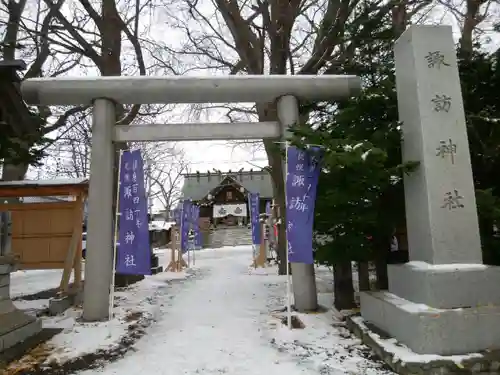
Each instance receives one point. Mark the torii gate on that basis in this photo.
(104, 92)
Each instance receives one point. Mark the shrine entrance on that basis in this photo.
(104, 92)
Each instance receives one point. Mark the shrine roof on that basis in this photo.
(198, 185)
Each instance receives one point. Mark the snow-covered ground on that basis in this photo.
(80, 338)
(24, 283)
(218, 318)
(221, 322)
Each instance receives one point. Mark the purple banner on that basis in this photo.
(133, 252)
(196, 226)
(253, 205)
(185, 224)
(303, 169)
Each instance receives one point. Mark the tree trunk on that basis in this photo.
(281, 243)
(363, 276)
(267, 112)
(279, 194)
(343, 288)
(111, 66)
(470, 23)
(381, 270)
(11, 31)
(12, 172)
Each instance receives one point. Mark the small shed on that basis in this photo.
(160, 232)
(46, 234)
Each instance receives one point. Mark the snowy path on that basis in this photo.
(214, 326)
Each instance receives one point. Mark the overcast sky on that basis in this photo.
(206, 155)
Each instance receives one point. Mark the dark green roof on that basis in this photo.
(198, 185)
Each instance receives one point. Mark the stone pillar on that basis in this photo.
(443, 301)
(99, 256)
(15, 325)
(303, 276)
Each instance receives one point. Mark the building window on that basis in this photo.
(229, 195)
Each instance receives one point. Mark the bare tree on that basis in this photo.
(69, 155)
(476, 19)
(165, 165)
(275, 37)
(74, 37)
(25, 35)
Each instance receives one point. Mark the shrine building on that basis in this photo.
(223, 197)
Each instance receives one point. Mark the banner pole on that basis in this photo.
(252, 228)
(194, 253)
(115, 244)
(284, 227)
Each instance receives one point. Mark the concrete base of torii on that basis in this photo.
(15, 325)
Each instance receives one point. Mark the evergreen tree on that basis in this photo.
(480, 80)
(360, 195)
(360, 200)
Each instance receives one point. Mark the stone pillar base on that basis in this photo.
(427, 330)
(446, 285)
(16, 326)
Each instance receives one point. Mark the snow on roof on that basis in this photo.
(160, 225)
(45, 199)
(196, 186)
(53, 182)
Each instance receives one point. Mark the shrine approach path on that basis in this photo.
(215, 324)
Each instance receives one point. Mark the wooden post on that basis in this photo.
(77, 281)
(177, 263)
(73, 247)
(261, 256)
(172, 266)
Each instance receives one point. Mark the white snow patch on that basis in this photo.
(418, 265)
(33, 281)
(160, 250)
(406, 355)
(218, 323)
(321, 346)
(79, 338)
(358, 145)
(52, 182)
(261, 271)
(37, 304)
(160, 225)
(365, 154)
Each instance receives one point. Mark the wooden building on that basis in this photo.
(223, 197)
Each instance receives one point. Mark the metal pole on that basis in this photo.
(288, 278)
(99, 259)
(303, 276)
(115, 241)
